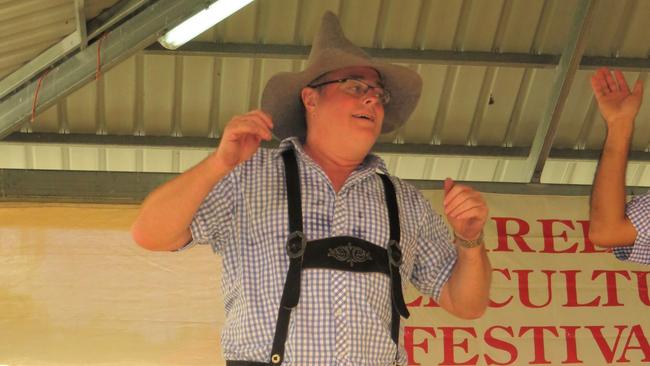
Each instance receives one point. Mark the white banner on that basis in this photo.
(75, 289)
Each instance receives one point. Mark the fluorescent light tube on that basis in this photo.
(200, 22)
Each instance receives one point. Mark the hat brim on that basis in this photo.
(281, 95)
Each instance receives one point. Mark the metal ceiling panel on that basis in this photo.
(479, 104)
(564, 171)
(522, 26)
(29, 27)
(636, 41)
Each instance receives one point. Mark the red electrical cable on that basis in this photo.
(38, 87)
(99, 56)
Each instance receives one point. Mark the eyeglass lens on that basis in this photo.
(360, 89)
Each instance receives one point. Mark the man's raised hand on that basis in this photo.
(242, 137)
(465, 209)
(616, 102)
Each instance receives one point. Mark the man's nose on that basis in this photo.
(371, 98)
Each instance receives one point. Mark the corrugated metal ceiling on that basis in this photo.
(473, 103)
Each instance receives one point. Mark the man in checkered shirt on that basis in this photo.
(235, 200)
(626, 229)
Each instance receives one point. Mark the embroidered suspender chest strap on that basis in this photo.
(339, 253)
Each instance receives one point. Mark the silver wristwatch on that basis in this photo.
(468, 243)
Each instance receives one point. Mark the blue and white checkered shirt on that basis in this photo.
(638, 211)
(343, 318)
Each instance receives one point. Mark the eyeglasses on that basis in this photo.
(358, 88)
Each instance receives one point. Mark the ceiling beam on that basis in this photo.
(77, 40)
(108, 18)
(39, 63)
(80, 18)
(129, 37)
(211, 143)
(102, 141)
(18, 185)
(564, 75)
(278, 51)
(477, 58)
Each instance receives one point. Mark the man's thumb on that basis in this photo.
(449, 184)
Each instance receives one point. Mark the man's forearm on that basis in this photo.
(469, 285)
(166, 214)
(607, 212)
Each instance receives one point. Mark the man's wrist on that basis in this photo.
(468, 243)
(620, 129)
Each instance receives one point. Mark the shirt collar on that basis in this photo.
(370, 162)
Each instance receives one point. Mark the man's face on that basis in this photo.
(341, 116)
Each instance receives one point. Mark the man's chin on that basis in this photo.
(359, 141)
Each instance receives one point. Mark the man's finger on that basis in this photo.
(462, 204)
(611, 82)
(638, 87)
(263, 116)
(248, 126)
(622, 84)
(449, 184)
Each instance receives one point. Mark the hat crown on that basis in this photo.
(330, 38)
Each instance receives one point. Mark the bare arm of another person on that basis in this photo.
(466, 293)
(166, 214)
(618, 105)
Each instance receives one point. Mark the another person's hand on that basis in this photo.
(618, 105)
(465, 209)
(242, 137)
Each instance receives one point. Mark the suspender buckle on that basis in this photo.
(394, 253)
(296, 244)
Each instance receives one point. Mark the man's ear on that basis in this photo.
(309, 98)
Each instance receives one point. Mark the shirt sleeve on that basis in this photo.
(638, 211)
(213, 220)
(436, 255)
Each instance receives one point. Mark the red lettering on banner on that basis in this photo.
(570, 284)
(500, 344)
(518, 236)
(418, 303)
(609, 345)
(572, 291)
(610, 277)
(549, 242)
(449, 345)
(637, 333)
(494, 304)
(607, 351)
(409, 346)
(516, 229)
(538, 341)
(524, 292)
(571, 345)
(642, 286)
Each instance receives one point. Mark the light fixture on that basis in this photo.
(200, 22)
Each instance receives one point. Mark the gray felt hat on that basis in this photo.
(332, 51)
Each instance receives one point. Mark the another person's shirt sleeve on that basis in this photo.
(638, 211)
(212, 222)
(436, 254)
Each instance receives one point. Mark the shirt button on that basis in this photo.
(338, 313)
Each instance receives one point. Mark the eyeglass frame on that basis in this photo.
(385, 94)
